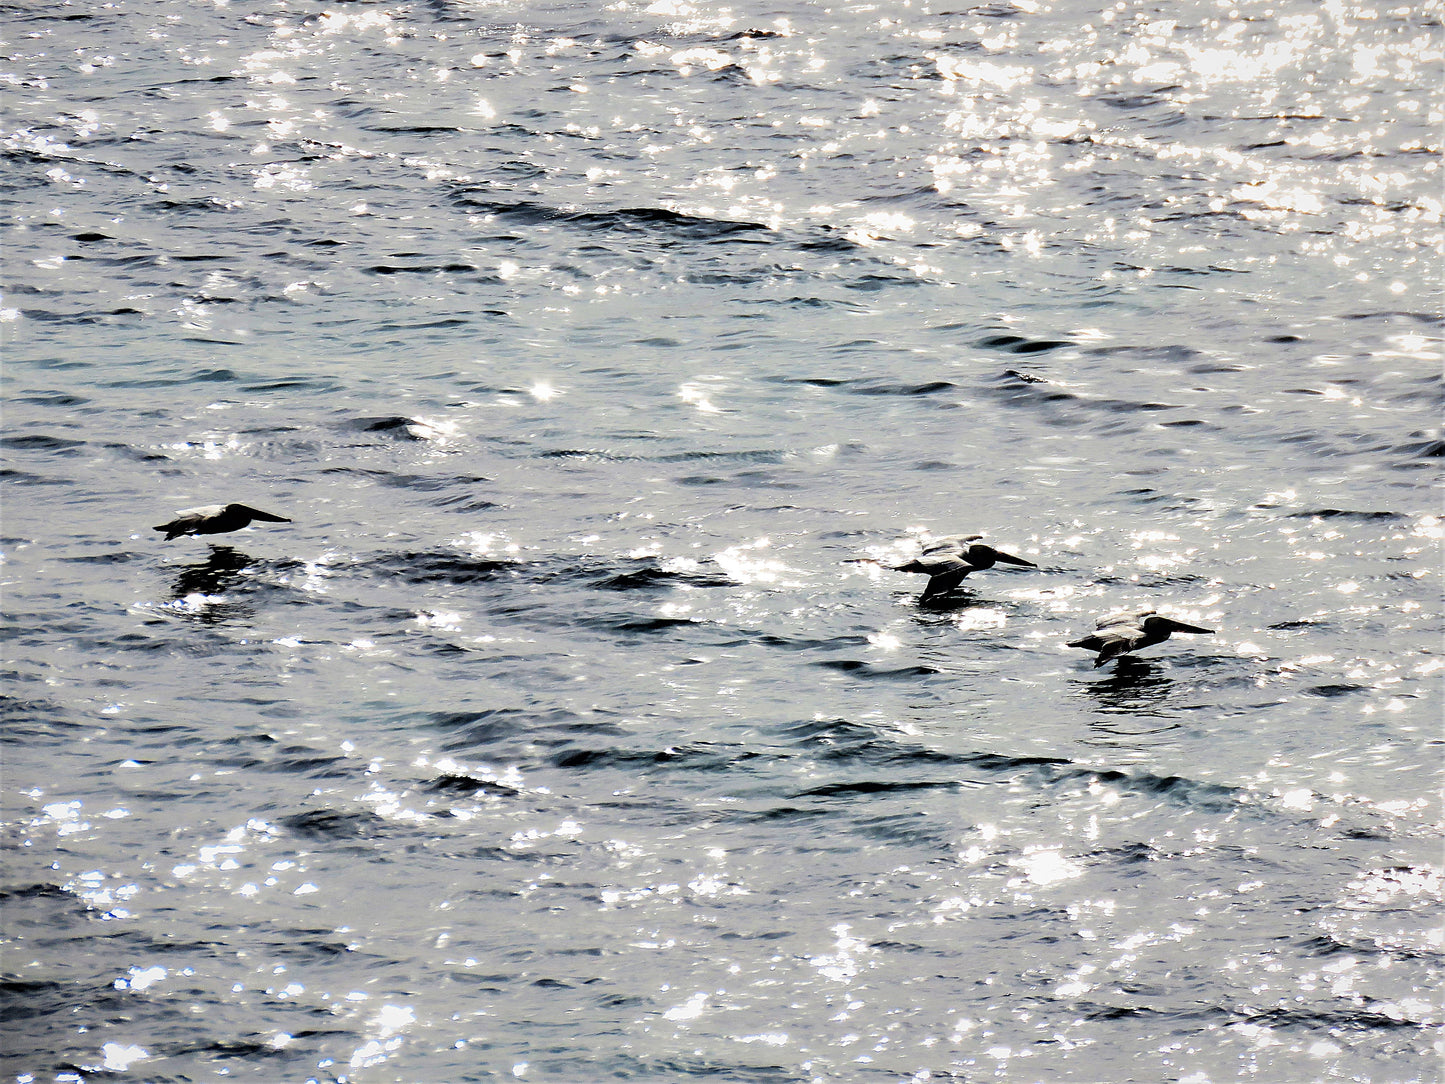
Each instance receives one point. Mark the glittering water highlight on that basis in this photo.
(575, 729)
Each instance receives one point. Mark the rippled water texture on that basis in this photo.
(605, 359)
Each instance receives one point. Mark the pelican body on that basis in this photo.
(215, 519)
(946, 561)
(1119, 634)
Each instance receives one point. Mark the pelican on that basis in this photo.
(215, 519)
(946, 561)
(1118, 634)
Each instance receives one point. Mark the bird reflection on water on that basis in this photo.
(1137, 700)
(1135, 685)
(209, 580)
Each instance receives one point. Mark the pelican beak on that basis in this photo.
(256, 513)
(1013, 560)
(1180, 626)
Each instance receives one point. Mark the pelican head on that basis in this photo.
(980, 555)
(1155, 624)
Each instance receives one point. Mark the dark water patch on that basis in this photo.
(1423, 449)
(1338, 689)
(671, 224)
(465, 502)
(1094, 1011)
(1429, 319)
(25, 478)
(1023, 378)
(250, 1051)
(319, 385)
(1128, 854)
(114, 557)
(811, 381)
(745, 479)
(27, 720)
(1214, 797)
(697, 756)
(1333, 944)
(788, 814)
(625, 624)
(329, 825)
(50, 1008)
(13, 893)
(397, 426)
(1147, 496)
(42, 442)
(1018, 344)
(800, 643)
(799, 302)
(1019, 390)
(841, 741)
(445, 323)
(874, 282)
(384, 269)
(300, 760)
(441, 567)
(749, 455)
(878, 387)
(1337, 1021)
(583, 454)
(30, 999)
(697, 1067)
(877, 787)
(860, 668)
(838, 740)
(629, 221)
(212, 376)
(910, 828)
(1343, 513)
(646, 575)
(51, 398)
(520, 726)
(870, 386)
(80, 317)
(1174, 353)
(418, 482)
(1342, 444)
(469, 786)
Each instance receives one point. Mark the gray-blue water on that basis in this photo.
(563, 735)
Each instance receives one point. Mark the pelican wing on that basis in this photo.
(190, 520)
(954, 543)
(949, 574)
(1115, 620)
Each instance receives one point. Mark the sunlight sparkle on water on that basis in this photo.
(1045, 867)
(119, 1057)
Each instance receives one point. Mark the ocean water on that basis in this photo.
(604, 358)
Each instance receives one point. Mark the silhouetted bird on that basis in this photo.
(215, 519)
(946, 561)
(1119, 634)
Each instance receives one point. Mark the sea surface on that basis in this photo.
(604, 359)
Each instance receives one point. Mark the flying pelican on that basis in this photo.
(946, 561)
(1118, 634)
(215, 519)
